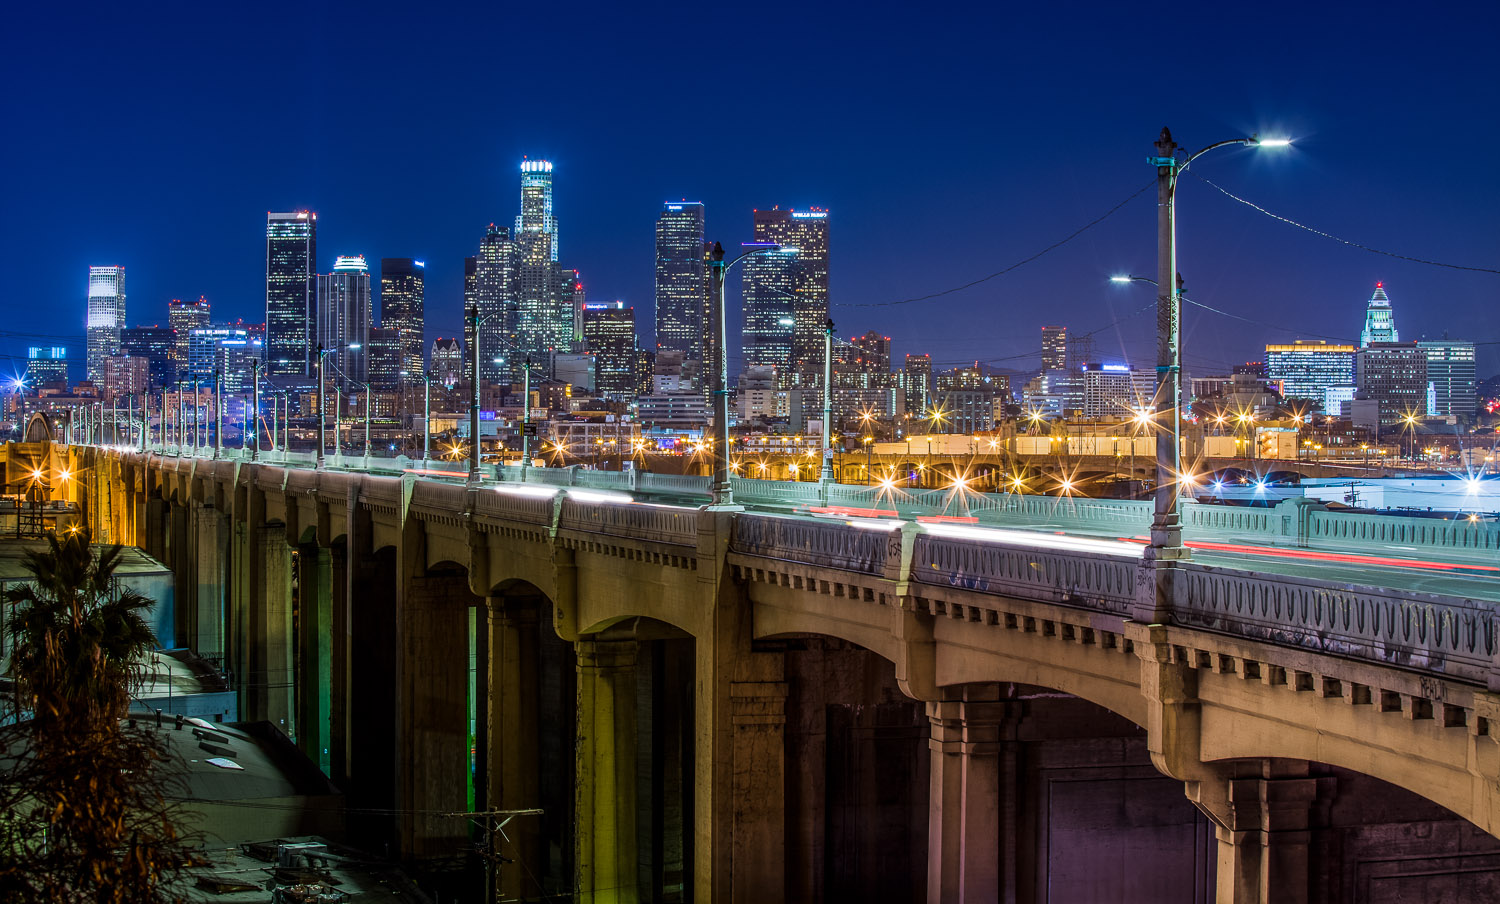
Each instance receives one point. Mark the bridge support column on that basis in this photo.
(267, 681)
(605, 849)
(1263, 846)
(184, 585)
(757, 710)
(315, 635)
(208, 566)
(433, 695)
(965, 833)
(511, 737)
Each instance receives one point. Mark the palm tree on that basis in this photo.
(88, 809)
(80, 640)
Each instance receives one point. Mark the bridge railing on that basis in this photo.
(830, 544)
(1299, 522)
(1448, 636)
(1099, 582)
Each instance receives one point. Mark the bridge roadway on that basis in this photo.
(1292, 635)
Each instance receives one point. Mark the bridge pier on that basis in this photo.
(209, 554)
(318, 627)
(433, 695)
(512, 729)
(971, 791)
(605, 855)
(1264, 849)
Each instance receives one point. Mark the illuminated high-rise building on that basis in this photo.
(385, 356)
(609, 333)
(343, 306)
(682, 287)
(106, 317)
(544, 318)
(1313, 370)
(1451, 377)
(184, 317)
(872, 353)
(1394, 374)
(471, 302)
(158, 345)
(496, 295)
(291, 292)
(402, 289)
(46, 364)
(788, 287)
(1054, 348)
(1380, 323)
(916, 380)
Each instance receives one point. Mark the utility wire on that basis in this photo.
(1328, 235)
(1020, 263)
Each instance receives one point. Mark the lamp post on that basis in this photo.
(426, 414)
(526, 417)
(828, 402)
(255, 414)
(473, 313)
(1166, 525)
(322, 413)
(218, 416)
(723, 496)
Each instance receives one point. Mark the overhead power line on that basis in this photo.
(1020, 263)
(1328, 235)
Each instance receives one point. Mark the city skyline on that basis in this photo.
(988, 197)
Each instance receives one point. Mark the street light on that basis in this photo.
(723, 497)
(1166, 525)
(322, 412)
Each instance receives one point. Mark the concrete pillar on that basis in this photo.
(270, 677)
(1263, 847)
(757, 711)
(210, 575)
(314, 651)
(154, 525)
(184, 586)
(338, 722)
(511, 738)
(967, 797)
(605, 849)
(433, 736)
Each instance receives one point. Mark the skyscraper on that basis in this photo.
(916, 380)
(46, 364)
(204, 352)
(779, 287)
(544, 317)
(158, 345)
(1380, 323)
(291, 292)
(343, 306)
(106, 317)
(1395, 375)
(1451, 376)
(1313, 370)
(609, 332)
(471, 302)
(401, 309)
(496, 274)
(1054, 348)
(682, 288)
(184, 317)
(873, 353)
(385, 354)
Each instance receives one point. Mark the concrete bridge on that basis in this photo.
(837, 692)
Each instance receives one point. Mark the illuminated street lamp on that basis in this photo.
(723, 497)
(1166, 525)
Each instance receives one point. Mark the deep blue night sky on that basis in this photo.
(948, 145)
